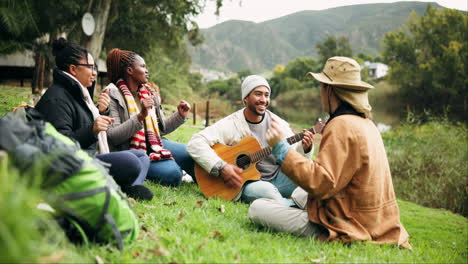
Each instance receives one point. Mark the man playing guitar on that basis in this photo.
(251, 121)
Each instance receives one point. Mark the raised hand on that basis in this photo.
(231, 176)
(274, 133)
(101, 124)
(146, 105)
(183, 108)
(103, 101)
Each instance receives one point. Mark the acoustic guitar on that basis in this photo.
(245, 155)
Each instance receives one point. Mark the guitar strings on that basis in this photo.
(253, 157)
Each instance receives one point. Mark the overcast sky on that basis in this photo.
(262, 10)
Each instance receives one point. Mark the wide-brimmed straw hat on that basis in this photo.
(342, 72)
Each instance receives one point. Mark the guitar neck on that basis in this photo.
(264, 152)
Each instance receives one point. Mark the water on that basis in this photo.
(305, 114)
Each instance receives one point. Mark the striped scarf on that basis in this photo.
(150, 130)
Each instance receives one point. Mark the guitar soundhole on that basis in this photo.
(243, 161)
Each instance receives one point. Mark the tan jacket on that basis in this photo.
(349, 184)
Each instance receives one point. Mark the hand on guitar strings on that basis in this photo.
(275, 133)
(231, 176)
(307, 141)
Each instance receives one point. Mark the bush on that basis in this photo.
(428, 163)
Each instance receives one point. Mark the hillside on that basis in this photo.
(235, 45)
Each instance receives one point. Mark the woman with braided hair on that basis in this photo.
(139, 123)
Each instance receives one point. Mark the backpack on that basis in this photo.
(85, 198)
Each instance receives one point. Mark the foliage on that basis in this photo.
(170, 73)
(427, 60)
(149, 23)
(428, 163)
(333, 46)
(293, 76)
(137, 25)
(243, 73)
(23, 22)
(229, 89)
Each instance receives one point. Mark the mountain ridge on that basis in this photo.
(237, 44)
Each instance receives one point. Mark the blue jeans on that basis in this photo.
(169, 172)
(279, 188)
(128, 167)
(181, 156)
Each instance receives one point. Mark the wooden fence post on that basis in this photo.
(194, 113)
(207, 116)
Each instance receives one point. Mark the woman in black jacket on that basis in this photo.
(68, 105)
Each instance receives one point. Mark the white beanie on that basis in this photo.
(251, 82)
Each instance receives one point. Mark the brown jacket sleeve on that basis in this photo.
(337, 161)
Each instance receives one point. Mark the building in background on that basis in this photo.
(18, 69)
(377, 70)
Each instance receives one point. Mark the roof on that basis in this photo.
(26, 59)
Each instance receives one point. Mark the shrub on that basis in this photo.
(428, 163)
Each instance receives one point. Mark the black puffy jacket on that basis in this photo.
(64, 107)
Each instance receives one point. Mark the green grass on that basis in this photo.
(27, 234)
(11, 97)
(191, 229)
(179, 225)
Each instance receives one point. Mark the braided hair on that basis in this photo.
(67, 53)
(117, 62)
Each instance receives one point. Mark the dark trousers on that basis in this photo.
(128, 167)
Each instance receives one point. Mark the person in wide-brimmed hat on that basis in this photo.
(347, 192)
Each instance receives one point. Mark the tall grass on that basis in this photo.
(27, 234)
(429, 163)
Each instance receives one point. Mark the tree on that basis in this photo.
(134, 24)
(427, 60)
(333, 46)
(293, 76)
(243, 73)
(26, 25)
(100, 11)
(298, 68)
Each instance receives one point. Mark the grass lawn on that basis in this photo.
(180, 226)
(13, 96)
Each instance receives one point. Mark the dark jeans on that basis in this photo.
(169, 172)
(128, 167)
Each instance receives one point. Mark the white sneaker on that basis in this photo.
(186, 177)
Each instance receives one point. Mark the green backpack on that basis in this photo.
(78, 186)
